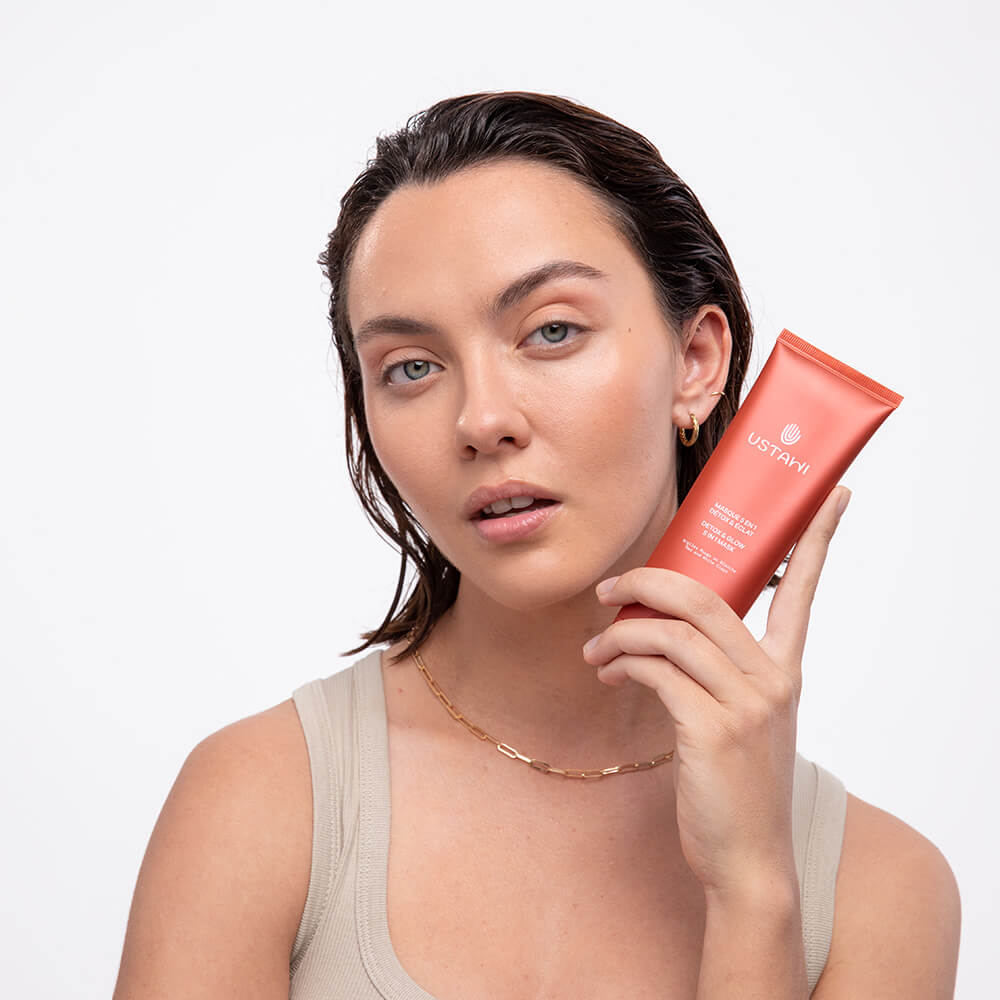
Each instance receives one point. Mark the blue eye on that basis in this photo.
(554, 325)
(384, 377)
(544, 329)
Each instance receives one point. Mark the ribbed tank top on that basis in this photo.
(342, 950)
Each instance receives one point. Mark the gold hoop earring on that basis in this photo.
(683, 431)
(694, 426)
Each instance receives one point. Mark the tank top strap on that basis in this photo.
(819, 811)
(328, 716)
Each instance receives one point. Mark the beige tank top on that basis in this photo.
(342, 950)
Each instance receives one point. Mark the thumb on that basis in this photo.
(843, 499)
(788, 616)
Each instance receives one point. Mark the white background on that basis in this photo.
(179, 543)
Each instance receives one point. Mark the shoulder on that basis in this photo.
(224, 879)
(272, 737)
(253, 778)
(897, 912)
(256, 767)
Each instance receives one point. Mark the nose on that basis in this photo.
(492, 410)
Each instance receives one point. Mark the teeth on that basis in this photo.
(502, 506)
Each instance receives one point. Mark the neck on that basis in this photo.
(520, 675)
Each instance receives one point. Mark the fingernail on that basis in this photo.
(605, 586)
(842, 503)
(591, 643)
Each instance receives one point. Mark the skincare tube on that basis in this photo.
(801, 425)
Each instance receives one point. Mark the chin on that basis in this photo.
(548, 593)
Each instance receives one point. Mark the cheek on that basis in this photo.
(625, 449)
(412, 460)
(400, 456)
(624, 414)
(395, 446)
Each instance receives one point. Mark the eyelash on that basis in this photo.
(383, 377)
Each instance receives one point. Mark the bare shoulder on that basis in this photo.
(897, 913)
(224, 879)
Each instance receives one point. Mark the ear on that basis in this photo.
(702, 365)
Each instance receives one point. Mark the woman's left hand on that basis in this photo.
(734, 702)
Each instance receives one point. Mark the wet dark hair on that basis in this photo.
(646, 202)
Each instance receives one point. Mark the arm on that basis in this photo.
(753, 947)
(897, 923)
(224, 879)
(898, 915)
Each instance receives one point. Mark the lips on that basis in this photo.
(485, 495)
(520, 527)
(539, 502)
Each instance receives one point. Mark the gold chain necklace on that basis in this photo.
(509, 751)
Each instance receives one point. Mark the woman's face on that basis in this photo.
(570, 387)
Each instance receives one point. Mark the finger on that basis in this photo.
(682, 597)
(685, 699)
(680, 643)
(788, 616)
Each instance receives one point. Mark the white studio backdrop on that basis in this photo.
(179, 543)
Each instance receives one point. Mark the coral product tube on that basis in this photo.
(801, 425)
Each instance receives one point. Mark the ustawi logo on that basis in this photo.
(790, 435)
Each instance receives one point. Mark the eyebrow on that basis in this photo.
(520, 288)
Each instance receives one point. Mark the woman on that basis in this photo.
(524, 296)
